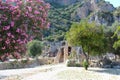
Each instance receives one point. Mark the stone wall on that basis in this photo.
(16, 64)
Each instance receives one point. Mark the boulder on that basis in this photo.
(106, 63)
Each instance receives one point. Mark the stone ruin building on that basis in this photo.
(65, 51)
(61, 52)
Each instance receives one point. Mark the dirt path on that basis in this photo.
(60, 72)
(23, 74)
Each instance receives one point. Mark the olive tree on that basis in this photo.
(88, 35)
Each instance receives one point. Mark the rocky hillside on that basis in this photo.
(64, 12)
(63, 2)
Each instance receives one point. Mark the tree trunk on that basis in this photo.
(86, 57)
(115, 57)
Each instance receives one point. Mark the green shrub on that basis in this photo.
(85, 64)
(34, 48)
(73, 63)
(77, 65)
(72, 55)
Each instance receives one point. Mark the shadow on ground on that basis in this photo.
(108, 71)
(2, 77)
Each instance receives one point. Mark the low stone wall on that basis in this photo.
(16, 64)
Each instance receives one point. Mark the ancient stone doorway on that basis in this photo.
(69, 50)
(62, 55)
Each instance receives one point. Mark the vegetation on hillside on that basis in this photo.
(62, 17)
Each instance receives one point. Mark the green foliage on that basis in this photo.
(85, 64)
(34, 48)
(88, 35)
(111, 41)
(77, 64)
(105, 15)
(61, 17)
(73, 63)
(72, 55)
(115, 25)
(61, 20)
(117, 12)
(116, 44)
(117, 34)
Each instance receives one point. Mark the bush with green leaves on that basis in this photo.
(85, 64)
(73, 63)
(34, 48)
(70, 63)
(116, 44)
(72, 55)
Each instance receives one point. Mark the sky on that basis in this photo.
(115, 3)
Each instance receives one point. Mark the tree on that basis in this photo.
(88, 35)
(111, 41)
(20, 22)
(116, 44)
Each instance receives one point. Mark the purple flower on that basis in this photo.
(1, 39)
(12, 36)
(9, 34)
(16, 47)
(7, 41)
(3, 48)
(16, 19)
(6, 27)
(12, 24)
(13, 41)
(18, 30)
(36, 12)
(29, 9)
(18, 40)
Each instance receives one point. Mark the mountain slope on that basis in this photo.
(64, 12)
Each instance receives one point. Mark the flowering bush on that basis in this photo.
(20, 21)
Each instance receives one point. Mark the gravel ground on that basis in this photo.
(60, 72)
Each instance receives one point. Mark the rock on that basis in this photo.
(95, 7)
(106, 61)
(84, 11)
(117, 18)
(114, 63)
(106, 7)
(116, 67)
(104, 18)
